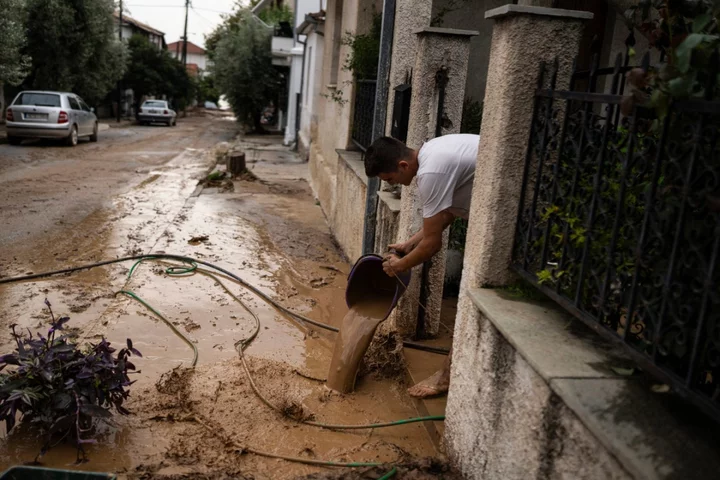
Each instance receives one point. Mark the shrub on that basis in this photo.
(61, 388)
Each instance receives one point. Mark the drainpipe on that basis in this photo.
(298, 108)
(378, 130)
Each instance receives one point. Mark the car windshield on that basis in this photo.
(154, 104)
(38, 99)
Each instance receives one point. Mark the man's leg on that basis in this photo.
(435, 384)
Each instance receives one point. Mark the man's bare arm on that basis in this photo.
(429, 245)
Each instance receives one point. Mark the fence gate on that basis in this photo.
(619, 223)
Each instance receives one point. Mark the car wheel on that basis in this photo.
(72, 139)
(174, 122)
(14, 140)
(94, 136)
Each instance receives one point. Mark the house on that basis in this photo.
(197, 61)
(313, 28)
(288, 49)
(534, 392)
(131, 27)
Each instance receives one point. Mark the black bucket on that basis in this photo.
(368, 279)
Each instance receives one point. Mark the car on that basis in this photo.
(47, 114)
(156, 111)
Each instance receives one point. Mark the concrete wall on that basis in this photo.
(335, 117)
(349, 215)
(514, 426)
(311, 94)
(470, 15)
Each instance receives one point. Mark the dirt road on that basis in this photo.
(136, 191)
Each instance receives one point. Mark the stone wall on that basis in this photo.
(514, 426)
(347, 222)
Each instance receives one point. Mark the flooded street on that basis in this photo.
(137, 192)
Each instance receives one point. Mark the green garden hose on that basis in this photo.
(241, 344)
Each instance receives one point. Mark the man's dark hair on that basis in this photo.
(384, 155)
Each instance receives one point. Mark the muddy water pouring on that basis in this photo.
(371, 295)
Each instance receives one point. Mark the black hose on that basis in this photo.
(180, 258)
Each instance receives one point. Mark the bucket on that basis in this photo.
(368, 279)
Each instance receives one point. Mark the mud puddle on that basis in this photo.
(280, 244)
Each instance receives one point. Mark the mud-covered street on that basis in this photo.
(142, 190)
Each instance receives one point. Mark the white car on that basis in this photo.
(156, 111)
(45, 114)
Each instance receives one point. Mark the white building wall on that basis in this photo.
(301, 8)
(311, 87)
(294, 90)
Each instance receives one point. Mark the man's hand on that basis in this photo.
(391, 265)
(400, 248)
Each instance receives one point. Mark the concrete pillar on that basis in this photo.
(522, 38)
(447, 50)
(410, 16)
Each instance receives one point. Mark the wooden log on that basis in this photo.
(235, 163)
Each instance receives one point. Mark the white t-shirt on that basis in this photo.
(446, 172)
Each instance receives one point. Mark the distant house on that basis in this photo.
(197, 61)
(131, 27)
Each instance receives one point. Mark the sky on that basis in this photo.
(168, 16)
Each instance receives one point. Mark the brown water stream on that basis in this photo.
(356, 332)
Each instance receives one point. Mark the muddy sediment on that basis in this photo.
(356, 332)
(274, 236)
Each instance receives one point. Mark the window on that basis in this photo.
(83, 105)
(155, 104)
(38, 99)
(74, 103)
(336, 43)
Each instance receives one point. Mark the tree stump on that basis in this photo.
(236, 163)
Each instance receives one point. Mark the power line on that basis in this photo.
(175, 6)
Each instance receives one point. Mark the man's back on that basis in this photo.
(446, 172)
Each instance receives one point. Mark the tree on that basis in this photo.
(206, 90)
(14, 65)
(243, 69)
(73, 47)
(155, 72)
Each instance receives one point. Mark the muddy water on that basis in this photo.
(353, 340)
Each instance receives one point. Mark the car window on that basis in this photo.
(154, 104)
(74, 103)
(83, 105)
(38, 99)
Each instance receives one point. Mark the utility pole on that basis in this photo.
(119, 85)
(184, 56)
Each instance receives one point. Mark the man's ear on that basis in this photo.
(403, 165)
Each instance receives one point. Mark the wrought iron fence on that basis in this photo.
(619, 223)
(364, 110)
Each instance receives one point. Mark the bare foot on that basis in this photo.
(435, 384)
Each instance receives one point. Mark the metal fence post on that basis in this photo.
(381, 96)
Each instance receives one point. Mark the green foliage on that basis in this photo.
(687, 32)
(458, 232)
(471, 116)
(205, 90)
(274, 15)
(243, 67)
(73, 47)
(364, 54)
(155, 72)
(14, 65)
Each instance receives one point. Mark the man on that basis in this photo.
(445, 170)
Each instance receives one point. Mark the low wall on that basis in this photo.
(533, 394)
(349, 215)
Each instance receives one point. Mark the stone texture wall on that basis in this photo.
(513, 426)
(435, 51)
(470, 15)
(478, 439)
(410, 16)
(349, 215)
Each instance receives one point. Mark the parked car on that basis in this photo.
(44, 114)
(156, 111)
